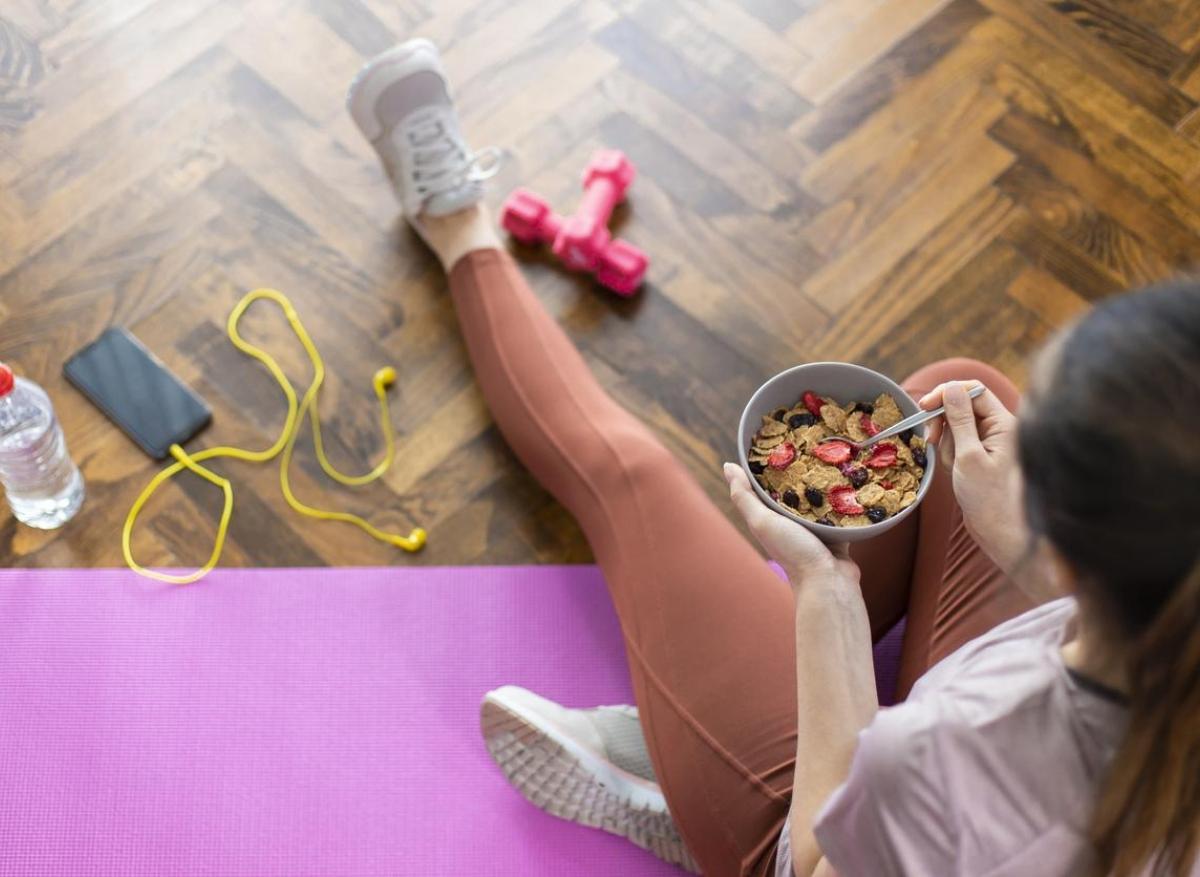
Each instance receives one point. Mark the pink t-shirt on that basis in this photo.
(989, 769)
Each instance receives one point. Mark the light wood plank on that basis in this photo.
(840, 59)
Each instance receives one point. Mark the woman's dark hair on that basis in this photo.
(1110, 454)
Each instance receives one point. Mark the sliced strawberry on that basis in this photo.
(813, 403)
(882, 456)
(782, 455)
(886, 485)
(844, 501)
(868, 425)
(834, 452)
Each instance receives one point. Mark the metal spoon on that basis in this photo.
(907, 423)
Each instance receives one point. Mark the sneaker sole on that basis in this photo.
(567, 781)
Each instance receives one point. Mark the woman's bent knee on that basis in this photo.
(961, 368)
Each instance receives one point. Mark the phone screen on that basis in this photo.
(137, 392)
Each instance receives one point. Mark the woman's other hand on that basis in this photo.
(977, 441)
(801, 554)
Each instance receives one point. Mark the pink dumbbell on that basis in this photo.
(583, 241)
(584, 236)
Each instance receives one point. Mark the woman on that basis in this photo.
(1053, 736)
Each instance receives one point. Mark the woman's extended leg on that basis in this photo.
(708, 626)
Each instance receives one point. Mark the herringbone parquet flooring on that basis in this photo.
(886, 181)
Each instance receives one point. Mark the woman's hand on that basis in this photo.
(799, 552)
(977, 441)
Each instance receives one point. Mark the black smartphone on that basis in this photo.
(137, 392)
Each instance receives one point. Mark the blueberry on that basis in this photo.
(815, 497)
(919, 457)
(798, 420)
(825, 520)
(779, 414)
(866, 407)
(791, 498)
(858, 476)
(757, 467)
(907, 436)
(875, 514)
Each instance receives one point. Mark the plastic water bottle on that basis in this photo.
(42, 484)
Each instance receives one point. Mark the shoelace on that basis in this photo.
(440, 162)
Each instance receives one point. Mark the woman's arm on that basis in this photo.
(836, 695)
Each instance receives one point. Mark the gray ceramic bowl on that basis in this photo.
(842, 381)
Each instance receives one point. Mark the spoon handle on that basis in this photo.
(919, 418)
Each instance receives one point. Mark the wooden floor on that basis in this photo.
(885, 181)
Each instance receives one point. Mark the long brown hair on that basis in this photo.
(1110, 455)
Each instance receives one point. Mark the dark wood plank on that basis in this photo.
(1099, 57)
(1105, 240)
(1060, 154)
(1046, 249)
(1137, 42)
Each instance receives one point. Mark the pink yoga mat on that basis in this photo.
(290, 722)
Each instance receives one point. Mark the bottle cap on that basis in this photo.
(6, 380)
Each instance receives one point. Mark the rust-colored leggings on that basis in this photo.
(708, 626)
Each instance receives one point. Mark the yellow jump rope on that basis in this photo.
(383, 379)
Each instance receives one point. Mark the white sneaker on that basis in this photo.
(401, 102)
(586, 766)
